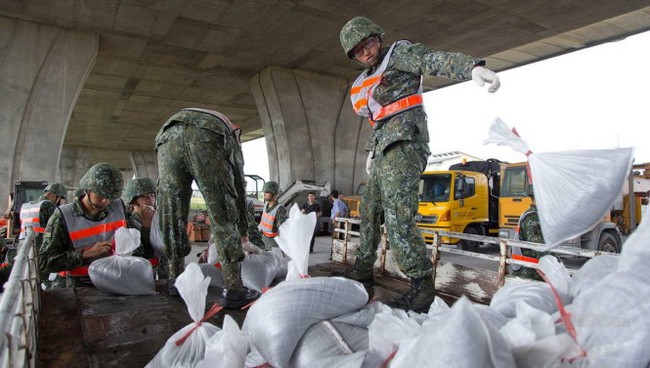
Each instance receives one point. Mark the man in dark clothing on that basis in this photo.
(312, 206)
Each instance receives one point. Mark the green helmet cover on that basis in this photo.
(271, 187)
(104, 180)
(57, 189)
(138, 187)
(356, 30)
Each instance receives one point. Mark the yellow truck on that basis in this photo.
(605, 236)
(463, 199)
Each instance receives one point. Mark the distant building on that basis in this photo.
(442, 161)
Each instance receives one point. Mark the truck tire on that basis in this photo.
(609, 243)
(469, 245)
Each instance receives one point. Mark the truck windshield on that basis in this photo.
(514, 182)
(435, 187)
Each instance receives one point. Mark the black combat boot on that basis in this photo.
(234, 294)
(358, 272)
(419, 297)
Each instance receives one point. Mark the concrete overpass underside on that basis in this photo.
(84, 81)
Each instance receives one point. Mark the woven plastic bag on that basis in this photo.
(295, 236)
(226, 348)
(279, 318)
(186, 348)
(121, 273)
(575, 189)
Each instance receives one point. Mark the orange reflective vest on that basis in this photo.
(267, 222)
(364, 86)
(84, 233)
(30, 217)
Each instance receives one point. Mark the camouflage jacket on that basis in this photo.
(408, 63)
(57, 252)
(280, 217)
(530, 228)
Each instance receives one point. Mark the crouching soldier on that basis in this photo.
(80, 232)
(140, 199)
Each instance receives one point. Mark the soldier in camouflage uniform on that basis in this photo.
(140, 198)
(530, 230)
(204, 146)
(93, 219)
(389, 94)
(254, 235)
(53, 195)
(274, 215)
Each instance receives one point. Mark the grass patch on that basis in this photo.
(198, 203)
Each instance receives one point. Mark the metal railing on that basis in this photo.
(20, 307)
(345, 234)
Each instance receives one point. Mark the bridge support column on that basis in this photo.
(145, 164)
(42, 70)
(310, 128)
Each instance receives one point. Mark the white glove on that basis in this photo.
(369, 163)
(480, 75)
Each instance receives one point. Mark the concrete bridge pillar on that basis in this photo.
(310, 128)
(145, 164)
(42, 70)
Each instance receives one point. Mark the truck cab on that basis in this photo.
(462, 199)
(514, 201)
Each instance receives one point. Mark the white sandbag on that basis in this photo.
(327, 339)
(155, 238)
(214, 273)
(537, 294)
(502, 135)
(391, 329)
(592, 272)
(553, 351)
(557, 275)
(259, 270)
(612, 320)
(463, 339)
(295, 236)
(213, 255)
(280, 317)
(575, 189)
(226, 348)
(121, 273)
(528, 326)
(193, 288)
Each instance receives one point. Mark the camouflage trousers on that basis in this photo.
(186, 154)
(392, 194)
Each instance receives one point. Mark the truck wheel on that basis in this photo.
(608, 243)
(470, 245)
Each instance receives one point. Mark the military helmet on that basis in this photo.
(103, 179)
(357, 30)
(138, 187)
(57, 189)
(271, 187)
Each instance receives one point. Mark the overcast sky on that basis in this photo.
(594, 98)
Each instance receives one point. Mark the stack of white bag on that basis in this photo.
(303, 321)
(121, 273)
(258, 269)
(187, 347)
